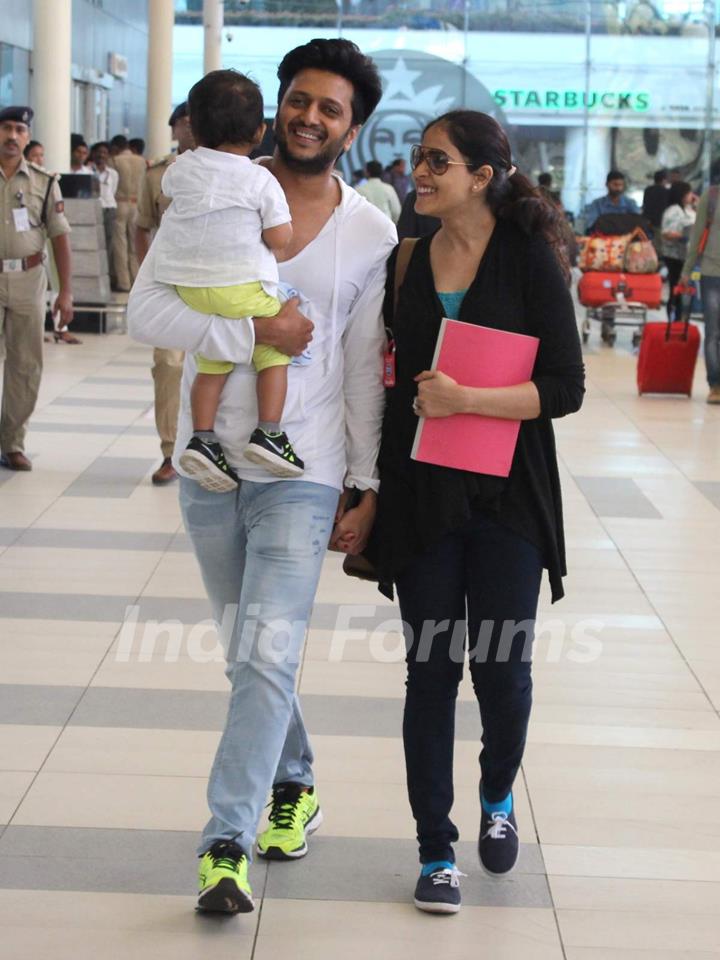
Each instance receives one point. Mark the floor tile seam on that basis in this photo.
(111, 644)
(260, 905)
(652, 442)
(101, 364)
(628, 566)
(542, 859)
(71, 714)
(619, 879)
(701, 686)
(110, 441)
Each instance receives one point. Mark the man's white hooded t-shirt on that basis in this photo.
(333, 411)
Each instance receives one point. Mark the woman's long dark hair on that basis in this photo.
(677, 192)
(481, 140)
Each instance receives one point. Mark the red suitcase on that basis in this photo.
(666, 362)
(596, 289)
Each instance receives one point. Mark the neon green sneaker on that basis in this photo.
(294, 814)
(223, 881)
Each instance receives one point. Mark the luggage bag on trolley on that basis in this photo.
(598, 289)
(667, 358)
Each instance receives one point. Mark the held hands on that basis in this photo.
(289, 331)
(64, 306)
(352, 527)
(438, 395)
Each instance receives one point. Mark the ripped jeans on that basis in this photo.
(261, 549)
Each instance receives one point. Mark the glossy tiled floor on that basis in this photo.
(105, 744)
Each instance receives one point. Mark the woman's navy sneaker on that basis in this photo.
(498, 844)
(439, 891)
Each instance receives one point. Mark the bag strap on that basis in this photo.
(638, 233)
(712, 206)
(405, 251)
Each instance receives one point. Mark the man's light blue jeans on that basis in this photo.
(261, 549)
(710, 290)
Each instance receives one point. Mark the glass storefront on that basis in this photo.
(581, 86)
(14, 75)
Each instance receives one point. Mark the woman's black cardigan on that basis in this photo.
(519, 287)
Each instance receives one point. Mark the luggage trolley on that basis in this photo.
(617, 303)
(615, 298)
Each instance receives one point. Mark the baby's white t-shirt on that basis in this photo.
(211, 234)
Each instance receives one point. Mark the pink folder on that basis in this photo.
(476, 356)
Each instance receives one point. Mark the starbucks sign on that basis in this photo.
(417, 87)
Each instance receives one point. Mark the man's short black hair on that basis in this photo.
(137, 145)
(119, 141)
(225, 107)
(374, 168)
(660, 176)
(545, 180)
(614, 175)
(343, 58)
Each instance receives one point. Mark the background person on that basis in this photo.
(677, 221)
(398, 178)
(108, 177)
(79, 154)
(709, 261)
(379, 194)
(453, 541)
(167, 363)
(656, 198)
(31, 212)
(34, 152)
(131, 169)
(137, 146)
(615, 200)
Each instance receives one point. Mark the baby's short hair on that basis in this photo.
(225, 107)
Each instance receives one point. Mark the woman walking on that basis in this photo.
(464, 550)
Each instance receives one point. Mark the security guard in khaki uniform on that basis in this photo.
(31, 211)
(167, 364)
(131, 170)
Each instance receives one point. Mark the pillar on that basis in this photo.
(212, 26)
(51, 80)
(161, 21)
(599, 154)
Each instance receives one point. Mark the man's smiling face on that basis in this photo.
(314, 123)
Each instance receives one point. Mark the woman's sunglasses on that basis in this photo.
(437, 160)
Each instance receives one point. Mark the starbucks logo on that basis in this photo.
(417, 87)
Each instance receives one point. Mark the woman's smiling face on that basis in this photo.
(439, 194)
